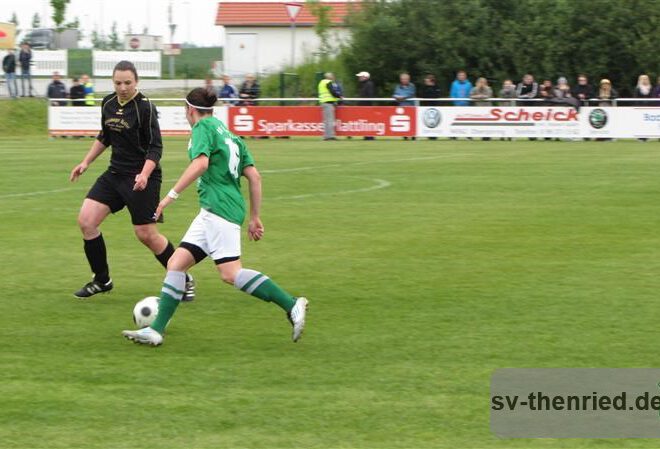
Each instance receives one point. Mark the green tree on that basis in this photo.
(59, 12)
(322, 26)
(36, 20)
(14, 20)
(98, 41)
(502, 39)
(113, 39)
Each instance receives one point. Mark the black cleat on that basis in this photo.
(189, 293)
(92, 288)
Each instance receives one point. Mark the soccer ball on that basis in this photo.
(145, 311)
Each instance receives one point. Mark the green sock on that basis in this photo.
(166, 308)
(259, 285)
(170, 298)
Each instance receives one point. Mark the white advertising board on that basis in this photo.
(538, 121)
(86, 120)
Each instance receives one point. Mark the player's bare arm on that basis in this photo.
(92, 154)
(255, 227)
(196, 168)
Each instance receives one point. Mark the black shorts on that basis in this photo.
(116, 191)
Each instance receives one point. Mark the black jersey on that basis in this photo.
(133, 132)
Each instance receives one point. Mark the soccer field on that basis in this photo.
(427, 264)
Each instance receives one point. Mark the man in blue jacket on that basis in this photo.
(460, 88)
(404, 90)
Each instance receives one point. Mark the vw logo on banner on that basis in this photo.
(432, 118)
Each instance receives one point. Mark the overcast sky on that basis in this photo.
(195, 19)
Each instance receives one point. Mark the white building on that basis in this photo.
(259, 37)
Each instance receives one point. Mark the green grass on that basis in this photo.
(471, 256)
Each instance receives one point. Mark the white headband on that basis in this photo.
(199, 107)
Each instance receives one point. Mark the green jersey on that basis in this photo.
(219, 188)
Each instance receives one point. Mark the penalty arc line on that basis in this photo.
(274, 171)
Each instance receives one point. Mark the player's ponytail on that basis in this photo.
(202, 99)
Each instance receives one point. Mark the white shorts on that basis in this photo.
(217, 237)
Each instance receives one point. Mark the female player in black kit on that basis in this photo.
(129, 123)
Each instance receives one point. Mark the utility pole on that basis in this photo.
(172, 29)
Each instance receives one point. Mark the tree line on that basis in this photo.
(500, 39)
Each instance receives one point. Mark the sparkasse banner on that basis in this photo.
(308, 121)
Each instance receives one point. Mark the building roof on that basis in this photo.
(275, 14)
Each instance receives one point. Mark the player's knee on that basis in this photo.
(146, 236)
(86, 224)
(228, 277)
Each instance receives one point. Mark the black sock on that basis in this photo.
(166, 254)
(97, 258)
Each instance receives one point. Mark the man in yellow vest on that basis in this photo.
(329, 95)
(89, 90)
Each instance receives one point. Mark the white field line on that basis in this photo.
(379, 184)
(284, 170)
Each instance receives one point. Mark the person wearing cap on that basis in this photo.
(329, 95)
(606, 93)
(366, 88)
(562, 93)
(562, 89)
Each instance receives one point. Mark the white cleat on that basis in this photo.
(297, 318)
(145, 336)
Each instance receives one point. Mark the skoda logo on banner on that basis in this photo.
(432, 118)
(598, 118)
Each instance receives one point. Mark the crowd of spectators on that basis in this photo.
(527, 92)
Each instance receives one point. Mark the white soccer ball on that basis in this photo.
(145, 311)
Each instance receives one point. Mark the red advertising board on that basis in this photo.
(308, 121)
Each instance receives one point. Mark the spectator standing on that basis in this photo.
(481, 92)
(25, 58)
(527, 89)
(546, 91)
(561, 94)
(562, 90)
(329, 96)
(89, 89)
(77, 93)
(57, 89)
(508, 90)
(430, 89)
(606, 93)
(208, 85)
(583, 91)
(250, 90)
(9, 67)
(643, 89)
(460, 88)
(228, 90)
(404, 91)
(365, 88)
